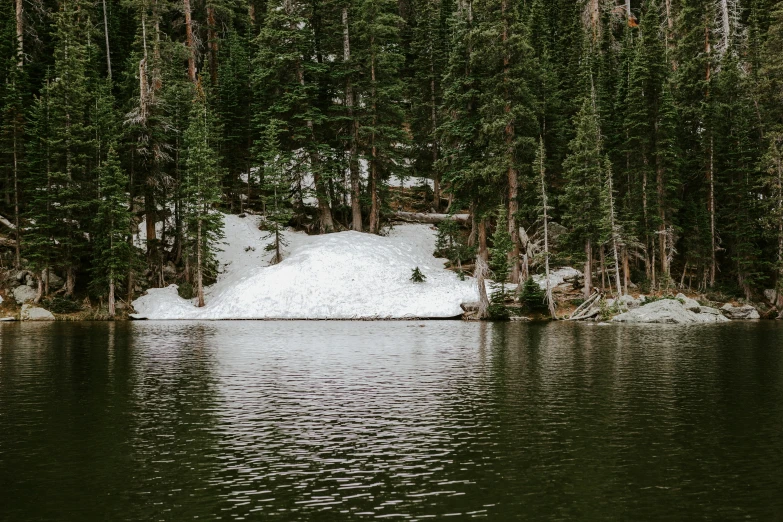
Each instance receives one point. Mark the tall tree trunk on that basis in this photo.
(711, 165)
(511, 173)
(189, 41)
(482, 268)
(588, 287)
(213, 44)
(713, 241)
(375, 204)
(662, 228)
(353, 153)
(17, 227)
(106, 36)
(549, 299)
(112, 310)
(325, 222)
(16, 124)
(434, 119)
(199, 268)
(20, 32)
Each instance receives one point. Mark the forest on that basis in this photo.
(639, 140)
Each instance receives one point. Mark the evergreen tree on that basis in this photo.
(201, 192)
(380, 86)
(112, 252)
(277, 185)
(584, 170)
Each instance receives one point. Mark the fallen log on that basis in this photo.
(584, 307)
(431, 219)
(7, 223)
(6, 242)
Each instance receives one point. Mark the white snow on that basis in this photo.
(346, 275)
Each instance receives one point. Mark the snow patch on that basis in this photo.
(346, 275)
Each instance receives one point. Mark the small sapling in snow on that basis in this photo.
(417, 276)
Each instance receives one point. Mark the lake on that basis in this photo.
(297, 420)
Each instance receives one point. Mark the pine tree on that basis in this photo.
(381, 131)
(72, 138)
(201, 191)
(112, 252)
(584, 170)
(287, 80)
(277, 185)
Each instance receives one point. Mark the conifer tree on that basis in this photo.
(201, 191)
(71, 137)
(277, 185)
(380, 84)
(112, 252)
(584, 170)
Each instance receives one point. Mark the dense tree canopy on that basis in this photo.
(658, 124)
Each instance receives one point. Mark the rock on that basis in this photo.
(610, 303)
(55, 282)
(21, 275)
(24, 294)
(708, 310)
(774, 297)
(518, 318)
(739, 312)
(170, 271)
(629, 302)
(7, 319)
(689, 304)
(667, 311)
(33, 313)
(470, 307)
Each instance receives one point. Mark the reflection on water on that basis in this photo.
(359, 420)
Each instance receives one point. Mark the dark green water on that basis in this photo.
(406, 420)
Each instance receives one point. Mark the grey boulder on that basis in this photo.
(689, 304)
(667, 311)
(24, 294)
(739, 312)
(33, 313)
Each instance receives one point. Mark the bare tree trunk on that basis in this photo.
(588, 287)
(713, 242)
(20, 32)
(511, 174)
(70, 281)
(325, 222)
(353, 154)
(112, 310)
(213, 44)
(549, 299)
(375, 204)
(434, 119)
(482, 269)
(106, 36)
(189, 41)
(725, 22)
(17, 227)
(199, 273)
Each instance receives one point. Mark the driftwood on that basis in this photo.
(586, 309)
(7, 223)
(432, 219)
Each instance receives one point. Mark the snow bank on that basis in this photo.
(347, 275)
